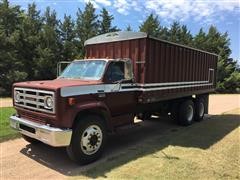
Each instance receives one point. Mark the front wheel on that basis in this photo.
(88, 140)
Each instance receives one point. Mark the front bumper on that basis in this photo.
(49, 135)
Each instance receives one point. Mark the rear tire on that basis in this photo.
(30, 140)
(88, 140)
(200, 109)
(186, 113)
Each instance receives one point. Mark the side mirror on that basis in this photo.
(61, 66)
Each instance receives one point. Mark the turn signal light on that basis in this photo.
(71, 101)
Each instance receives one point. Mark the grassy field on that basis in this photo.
(206, 150)
(5, 131)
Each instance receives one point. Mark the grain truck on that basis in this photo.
(124, 75)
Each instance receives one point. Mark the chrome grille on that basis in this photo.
(33, 99)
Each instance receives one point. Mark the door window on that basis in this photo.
(121, 70)
(115, 71)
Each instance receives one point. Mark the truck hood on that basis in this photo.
(55, 84)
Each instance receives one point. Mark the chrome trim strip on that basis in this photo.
(49, 135)
(173, 83)
(31, 96)
(176, 87)
(108, 88)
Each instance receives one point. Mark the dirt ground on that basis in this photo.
(6, 102)
(20, 160)
(223, 103)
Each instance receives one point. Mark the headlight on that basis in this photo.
(17, 97)
(48, 102)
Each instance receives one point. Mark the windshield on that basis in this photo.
(85, 69)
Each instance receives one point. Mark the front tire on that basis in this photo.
(88, 140)
(186, 113)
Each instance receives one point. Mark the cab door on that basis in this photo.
(120, 101)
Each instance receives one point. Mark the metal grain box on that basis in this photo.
(172, 67)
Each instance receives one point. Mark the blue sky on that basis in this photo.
(224, 14)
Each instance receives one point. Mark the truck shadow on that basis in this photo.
(147, 138)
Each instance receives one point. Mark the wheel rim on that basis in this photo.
(189, 113)
(201, 109)
(91, 139)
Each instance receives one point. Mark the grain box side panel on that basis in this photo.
(161, 61)
(134, 56)
(167, 64)
(179, 66)
(157, 62)
(142, 59)
(134, 49)
(173, 67)
(150, 62)
(171, 64)
(194, 62)
(158, 55)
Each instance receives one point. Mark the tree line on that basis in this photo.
(32, 43)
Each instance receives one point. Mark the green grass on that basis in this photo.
(206, 150)
(6, 132)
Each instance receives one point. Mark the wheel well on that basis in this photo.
(97, 112)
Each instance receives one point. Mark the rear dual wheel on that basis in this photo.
(200, 109)
(188, 111)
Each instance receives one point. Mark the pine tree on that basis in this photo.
(86, 25)
(68, 39)
(11, 65)
(185, 36)
(199, 41)
(227, 71)
(49, 49)
(129, 28)
(106, 22)
(175, 32)
(151, 26)
(30, 30)
(164, 33)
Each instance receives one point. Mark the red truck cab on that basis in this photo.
(47, 110)
(125, 74)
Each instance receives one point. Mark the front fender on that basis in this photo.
(92, 107)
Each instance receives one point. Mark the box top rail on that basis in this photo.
(129, 35)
